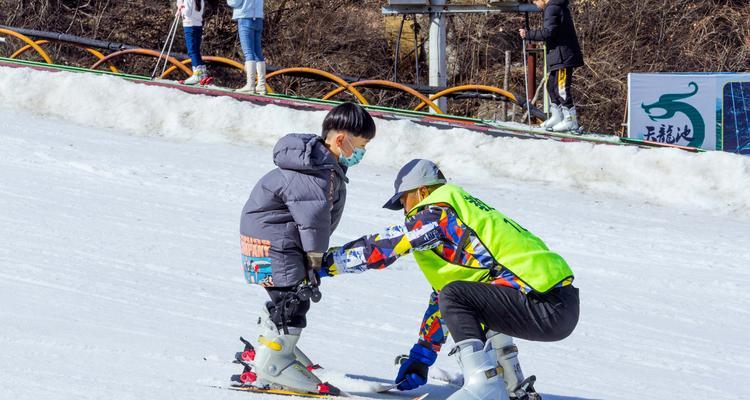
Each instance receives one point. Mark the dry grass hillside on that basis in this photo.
(352, 38)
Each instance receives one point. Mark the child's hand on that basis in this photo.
(522, 32)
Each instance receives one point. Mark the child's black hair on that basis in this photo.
(351, 118)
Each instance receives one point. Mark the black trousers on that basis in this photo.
(286, 307)
(559, 87)
(549, 317)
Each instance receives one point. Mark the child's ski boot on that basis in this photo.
(200, 74)
(569, 121)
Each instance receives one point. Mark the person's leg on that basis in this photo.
(244, 29)
(286, 308)
(564, 83)
(257, 27)
(465, 306)
(195, 51)
(555, 109)
(258, 50)
(472, 310)
(276, 359)
(570, 118)
(192, 42)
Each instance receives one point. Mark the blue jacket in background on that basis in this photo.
(246, 8)
(297, 206)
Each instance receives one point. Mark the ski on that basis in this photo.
(289, 393)
(280, 392)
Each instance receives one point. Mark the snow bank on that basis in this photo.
(712, 181)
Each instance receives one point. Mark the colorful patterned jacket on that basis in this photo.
(434, 228)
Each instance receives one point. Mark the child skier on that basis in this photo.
(249, 17)
(192, 24)
(492, 280)
(285, 229)
(563, 55)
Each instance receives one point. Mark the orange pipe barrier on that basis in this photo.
(143, 52)
(94, 52)
(481, 88)
(30, 42)
(393, 85)
(331, 77)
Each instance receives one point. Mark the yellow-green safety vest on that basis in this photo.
(511, 245)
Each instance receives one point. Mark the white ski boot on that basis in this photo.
(267, 328)
(261, 88)
(506, 354)
(482, 377)
(278, 368)
(249, 87)
(555, 117)
(199, 76)
(569, 122)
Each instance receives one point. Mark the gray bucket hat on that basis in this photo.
(415, 174)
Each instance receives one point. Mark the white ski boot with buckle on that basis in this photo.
(556, 115)
(277, 367)
(569, 121)
(249, 87)
(483, 379)
(267, 328)
(506, 354)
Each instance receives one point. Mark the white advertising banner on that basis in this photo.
(705, 111)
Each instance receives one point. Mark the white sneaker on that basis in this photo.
(482, 376)
(261, 88)
(555, 117)
(249, 87)
(569, 121)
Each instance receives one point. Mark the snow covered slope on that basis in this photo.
(119, 254)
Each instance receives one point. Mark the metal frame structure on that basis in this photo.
(396, 7)
(437, 11)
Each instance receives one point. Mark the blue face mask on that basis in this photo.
(357, 155)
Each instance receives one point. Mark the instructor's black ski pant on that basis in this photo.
(549, 317)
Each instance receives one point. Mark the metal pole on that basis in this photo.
(526, 74)
(438, 64)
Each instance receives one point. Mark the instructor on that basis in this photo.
(492, 280)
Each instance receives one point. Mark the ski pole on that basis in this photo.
(526, 74)
(164, 48)
(169, 51)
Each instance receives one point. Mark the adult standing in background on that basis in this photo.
(563, 56)
(249, 17)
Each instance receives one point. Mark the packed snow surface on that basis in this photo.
(119, 251)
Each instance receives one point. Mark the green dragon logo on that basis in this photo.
(671, 105)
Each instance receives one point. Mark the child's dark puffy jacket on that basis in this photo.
(559, 33)
(297, 206)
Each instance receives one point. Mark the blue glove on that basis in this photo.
(413, 371)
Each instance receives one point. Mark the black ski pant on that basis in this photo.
(549, 317)
(286, 308)
(559, 87)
